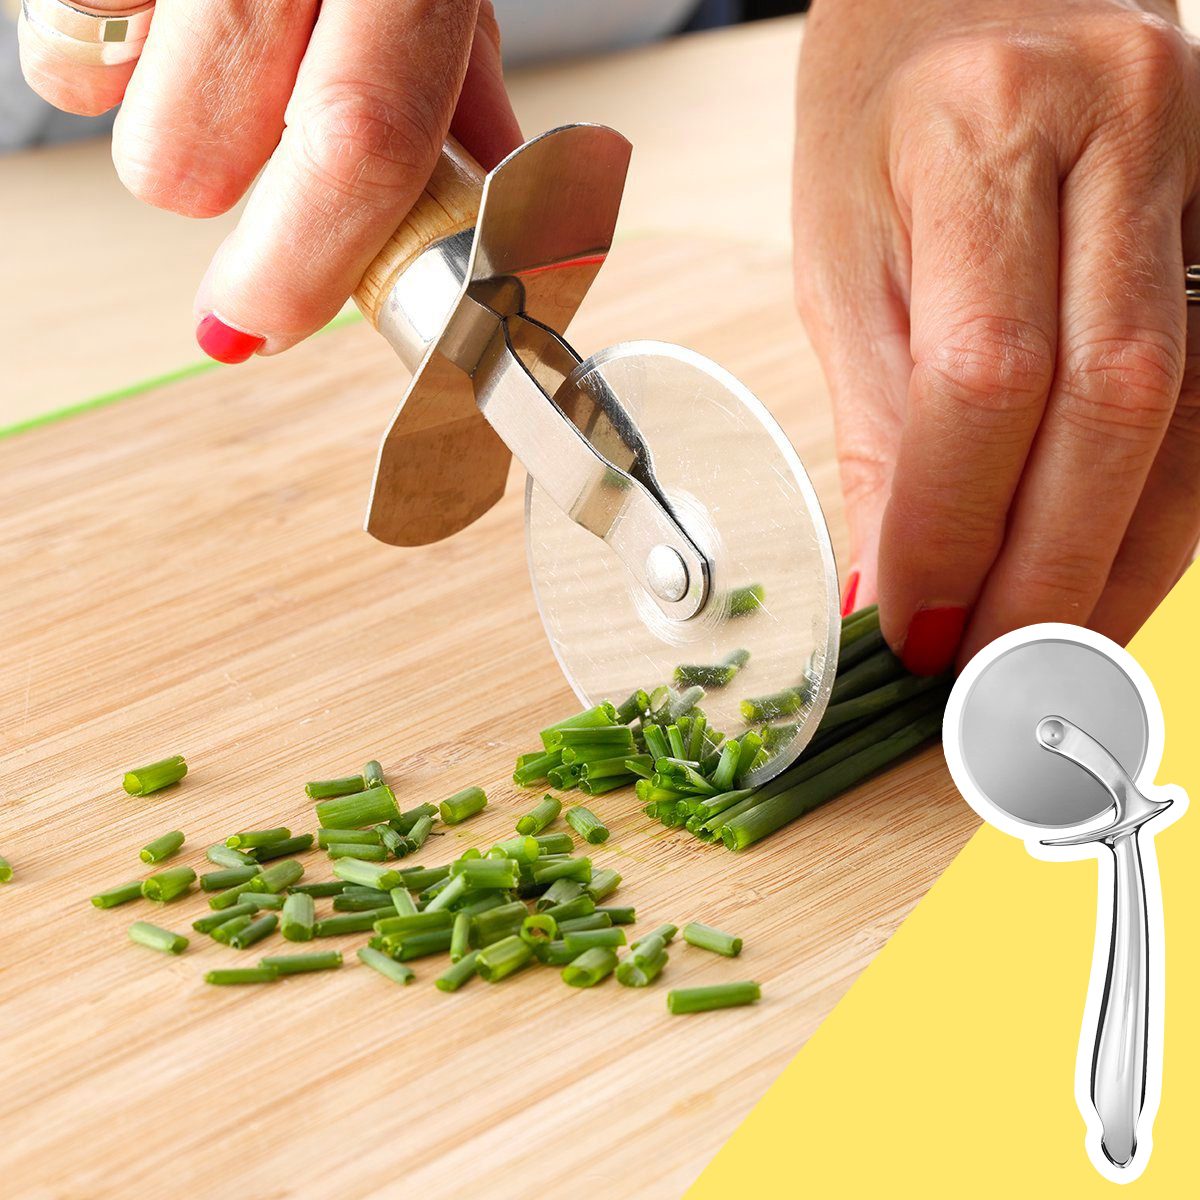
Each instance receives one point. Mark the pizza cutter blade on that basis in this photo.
(669, 521)
(1053, 734)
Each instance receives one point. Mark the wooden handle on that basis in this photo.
(448, 205)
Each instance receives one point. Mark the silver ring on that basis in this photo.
(1191, 279)
(102, 38)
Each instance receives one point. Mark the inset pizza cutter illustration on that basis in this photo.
(1054, 734)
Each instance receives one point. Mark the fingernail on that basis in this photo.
(850, 592)
(223, 342)
(932, 639)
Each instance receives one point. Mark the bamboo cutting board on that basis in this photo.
(184, 572)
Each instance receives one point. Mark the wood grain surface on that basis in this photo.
(185, 572)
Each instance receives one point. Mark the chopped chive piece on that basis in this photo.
(355, 870)
(222, 855)
(746, 600)
(647, 948)
(225, 931)
(284, 847)
(169, 884)
(602, 714)
(372, 774)
(333, 887)
(247, 839)
(542, 814)
(579, 869)
(707, 938)
(602, 883)
(364, 901)
(464, 804)
(666, 932)
(585, 939)
(503, 917)
(538, 927)
(367, 807)
(640, 972)
(363, 922)
(482, 902)
(554, 954)
(161, 847)
(595, 920)
(536, 768)
(302, 964)
(560, 892)
(770, 708)
(716, 676)
(580, 905)
(394, 843)
(262, 926)
(486, 872)
(388, 968)
(523, 848)
(554, 843)
(347, 837)
(227, 877)
(405, 946)
(418, 878)
(402, 901)
(719, 995)
(231, 976)
(407, 819)
(460, 972)
(153, 778)
(502, 959)
(460, 937)
(593, 966)
(259, 900)
(210, 921)
(634, 707)
(356, 850)
(329, 789)
(587, 824)
(145, 934)
(298, 916)
(455, 889)
(420, 922)
(420, 831)
(121, 894)
(229, 897)
(619, 914)
(278, 877)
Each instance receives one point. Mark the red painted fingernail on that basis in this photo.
(223, 342)
(850, 592)
(932, 639)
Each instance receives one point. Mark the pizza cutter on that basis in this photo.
(1053, 734)
(668, 519)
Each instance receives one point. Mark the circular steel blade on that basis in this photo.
(994, 719)
(741, 493)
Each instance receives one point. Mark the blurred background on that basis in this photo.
(535, 31)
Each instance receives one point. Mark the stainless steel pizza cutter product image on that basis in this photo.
(1053, 734)
(668, 519)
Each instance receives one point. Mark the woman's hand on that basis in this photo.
(994, 205)
(342, 105)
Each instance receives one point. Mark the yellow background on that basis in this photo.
(948, 1069)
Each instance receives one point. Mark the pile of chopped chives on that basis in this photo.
(688, 775)
(526, 900)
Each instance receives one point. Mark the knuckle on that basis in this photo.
(360, 141)
(158, 174)
(488, 26)
(1150, 64)
(1059, 577)
(1122, 387)
(990, 368)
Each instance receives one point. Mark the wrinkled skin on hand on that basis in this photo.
(993, 208)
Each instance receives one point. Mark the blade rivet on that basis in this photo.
(666, 573)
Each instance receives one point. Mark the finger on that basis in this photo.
(1161, 539)
(858, 324)
(484, 120)
(52, 68)
(984, 315)
(366, 122)
(205, 108)
(1120, 363)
